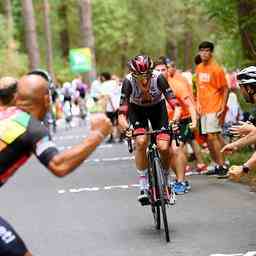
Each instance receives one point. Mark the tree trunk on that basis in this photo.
(247, 10)
(64, 35)
(188, 49)
(48, 34)
(11, 46)
(87, 33)
(172, 50)
(30, 33)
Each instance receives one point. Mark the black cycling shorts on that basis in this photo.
(157, 114)
(10, 242)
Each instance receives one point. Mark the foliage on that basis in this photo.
(123, 28)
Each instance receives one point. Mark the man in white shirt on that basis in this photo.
(112, 92)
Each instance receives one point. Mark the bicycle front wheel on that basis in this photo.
(155, 207)
(161, 187)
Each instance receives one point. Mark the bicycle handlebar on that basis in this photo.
(175, 135)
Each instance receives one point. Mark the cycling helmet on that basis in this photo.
(141, 65)
(247, 76)
(44, 74)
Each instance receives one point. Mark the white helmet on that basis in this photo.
(247, 76)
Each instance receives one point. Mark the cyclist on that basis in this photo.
(142, 99)
(247, 82)
(80, 96)
(22, 134)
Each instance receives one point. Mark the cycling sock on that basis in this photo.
(143, 180)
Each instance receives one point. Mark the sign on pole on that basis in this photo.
(80, 60)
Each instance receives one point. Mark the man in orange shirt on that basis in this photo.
(212, 94)
(188, 121)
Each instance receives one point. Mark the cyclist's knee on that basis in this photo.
(141, 142)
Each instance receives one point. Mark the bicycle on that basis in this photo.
(160, 192)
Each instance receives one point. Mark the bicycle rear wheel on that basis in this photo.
(161, 186)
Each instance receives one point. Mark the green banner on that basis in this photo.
(80, 60)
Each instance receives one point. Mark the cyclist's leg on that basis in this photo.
(10, 242)
(139, 122)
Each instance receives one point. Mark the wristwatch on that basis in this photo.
(245, 168)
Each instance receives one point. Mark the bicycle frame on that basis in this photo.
(159, 194)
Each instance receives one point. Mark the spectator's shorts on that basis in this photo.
(210, 123)
(185, 131)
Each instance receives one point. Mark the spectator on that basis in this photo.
(112, 92)
(212, 95)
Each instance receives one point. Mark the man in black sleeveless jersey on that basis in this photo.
(22, 134)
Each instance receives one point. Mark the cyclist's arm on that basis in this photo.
(169, 96)
(124, 102)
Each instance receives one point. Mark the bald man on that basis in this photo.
(22, 133)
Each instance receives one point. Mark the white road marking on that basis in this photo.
(93, 189)
(68, 147)
(252, 253)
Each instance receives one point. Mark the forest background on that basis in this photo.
(39, 33)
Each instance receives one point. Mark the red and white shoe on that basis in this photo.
(201, 168)
(188, 170)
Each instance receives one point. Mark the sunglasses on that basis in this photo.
(141, 76)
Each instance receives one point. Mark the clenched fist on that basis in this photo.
(100, 122)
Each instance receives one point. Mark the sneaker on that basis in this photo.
(213, 171)
(179, 188)
(201, 168)
(222, 172)
(143, 197)
(187, 184)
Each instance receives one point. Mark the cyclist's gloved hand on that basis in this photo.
(129, 132)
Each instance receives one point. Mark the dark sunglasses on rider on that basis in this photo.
(141, 76)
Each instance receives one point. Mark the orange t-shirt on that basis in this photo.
(211, 83)
(182, 91)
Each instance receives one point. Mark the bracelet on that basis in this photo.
(245, 168)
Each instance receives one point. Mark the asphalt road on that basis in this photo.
(94, 211)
